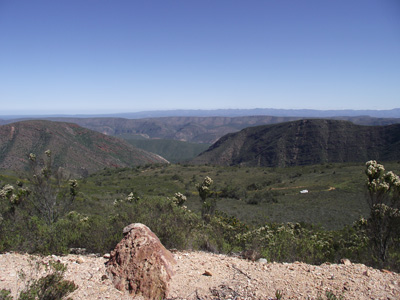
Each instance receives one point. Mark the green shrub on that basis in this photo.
(5, 295)
(171, 223)
(49, 287)
(383, 224)
(262, 197)
(233, 192)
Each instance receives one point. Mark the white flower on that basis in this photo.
(392, 179)
(207, 181)
(73, 183)
(32, 157)
(7, 191)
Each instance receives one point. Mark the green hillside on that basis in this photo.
(171, 150)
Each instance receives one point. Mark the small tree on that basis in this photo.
(51, 192)
(383, 225)
(209, 205)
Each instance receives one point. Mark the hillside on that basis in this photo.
(172, 150)
(305, 142)
(191, 129)
(74, 148)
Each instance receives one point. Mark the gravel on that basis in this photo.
(201, 275)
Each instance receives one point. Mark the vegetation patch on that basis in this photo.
(258, 212)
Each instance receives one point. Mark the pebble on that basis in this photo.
(262, 260)
(80, 260)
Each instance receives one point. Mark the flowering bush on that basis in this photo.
(179, 199)
(383, 225)
(209, 205)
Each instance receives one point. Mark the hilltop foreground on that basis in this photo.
(231, 278)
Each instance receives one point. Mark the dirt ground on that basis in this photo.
(200, 275)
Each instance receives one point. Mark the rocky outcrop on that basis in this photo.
(140, 264)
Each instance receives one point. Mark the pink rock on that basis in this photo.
(140, 264)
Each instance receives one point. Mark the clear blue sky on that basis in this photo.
(91, 56)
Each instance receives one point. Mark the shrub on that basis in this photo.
(208, 204)
(262, 196)
(172, 224)
(49, 287)
(51, 191)
(5, 295)
(383, 224)
(233, 192)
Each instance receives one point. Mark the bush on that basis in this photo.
(49, 287)
(262, 196)
(171, 223)
(232, 192)
(5, 295)
(383, 224)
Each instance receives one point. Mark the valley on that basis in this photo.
(308, 203)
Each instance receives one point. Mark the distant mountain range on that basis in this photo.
(191, 129)
(304, 142)
(304, 113)
(74, 148)
(165, 135)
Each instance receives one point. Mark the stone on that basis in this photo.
(262, 260)
(104, 277)
(140, 264)
(207, 273)
(252, 255)
(107, 256)
(345, 261)
(79, 260)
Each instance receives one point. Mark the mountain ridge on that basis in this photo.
(304, 142)
(192, 129)
(74, 148)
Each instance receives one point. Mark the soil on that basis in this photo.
(200, 275)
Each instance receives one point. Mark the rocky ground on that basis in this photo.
(200, 275)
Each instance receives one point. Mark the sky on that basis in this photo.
(103, 56)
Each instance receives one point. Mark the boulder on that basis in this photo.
(140, 264)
